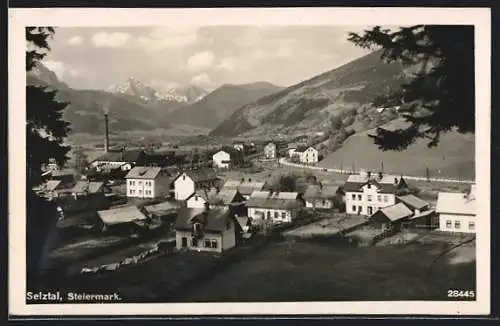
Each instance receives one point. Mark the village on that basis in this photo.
(131, 207)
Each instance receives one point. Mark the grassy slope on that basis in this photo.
(302, 271)
(454, 157)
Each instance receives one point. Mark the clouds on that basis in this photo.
(110, 40)
(200, 61)
(75, 40)
(208, 55)
(62, 70)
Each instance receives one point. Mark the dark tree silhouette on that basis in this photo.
(45, 135)
(443, 85)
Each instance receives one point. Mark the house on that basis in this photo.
(51, 188)
(126, 218)
(270, 151)
(244, 186)
(414, 203)
(165, 211)
(206, 229)
(187, 182)
(123, 160)
(239, 147)
(365, 193)
(66, 176)
(457, 211)
(307, 154)
(282, 207)
(322, 197)
(214, 198)
(390, 217)
(228, 158)
(147, 182)
(86, 188)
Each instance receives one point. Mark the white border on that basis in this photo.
(19, 18)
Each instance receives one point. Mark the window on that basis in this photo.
(140, 191)
(369, 197)
(184, 242)
(448, 224)
(472, 226)
(354, 208)
(140, 183)
(360, 209)
(457, 224)
(385, 199)
(283, 215)
(353, 197)
(208, 244)
(324, 202)
(194, 242)
(276, 215)
(228, 225)
(196, 198)
(214, 244)
(359, 197)
(369, 186)
(379, 198)
(183, 177)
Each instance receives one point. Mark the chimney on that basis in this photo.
(396, 181)
(106, 133)
(380, 175)
(206, 207)
(369, 174)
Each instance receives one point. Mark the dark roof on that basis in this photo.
(386, 184)
(200, 175)
(122, 156)
(413, 201)
(213, 220)
(282, 200)
(316, 191)
(143, 172)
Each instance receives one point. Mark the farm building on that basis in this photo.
(366, 193)
(270, 151)
(164, 210)
(228, 158)
(187, 182)
(147, 182)
(86, 188)
(128, 218)
(212, 197)
(457, 211)
(123, 160)
(206, 229)
(244, 186)
(414, 203)
(390, 217)
(307, 154)
(322, 197)
(278, 207)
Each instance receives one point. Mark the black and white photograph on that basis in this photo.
(249, 161)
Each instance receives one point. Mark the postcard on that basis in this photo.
(249, 161)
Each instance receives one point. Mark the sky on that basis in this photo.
(208, 56)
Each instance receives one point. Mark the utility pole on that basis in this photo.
(382, 166)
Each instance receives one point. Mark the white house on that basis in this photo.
(366, 193)
(307, 155)
(147, 182)
(321, 197)
(187, 182)
(282, 207)
(457, 211)
(222, 159)
(202, 229)
(214, 198)
(270, 151)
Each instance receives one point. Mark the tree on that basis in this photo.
(443, 57)
(80, 159)
(45, 135)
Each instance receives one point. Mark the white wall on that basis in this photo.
(225, 241)
(309, 156)
(447, 222)
(220, 157)
(377, 201)
(288, 217)
(183, 187)
(229, 237)
(195, 201)
(270, 151)
(141, 188)
(318, 203)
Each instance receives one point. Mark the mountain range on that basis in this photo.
(310, 104)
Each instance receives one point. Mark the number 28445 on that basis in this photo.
(469, 294)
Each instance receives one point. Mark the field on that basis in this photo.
(453, 157)
(306, 271)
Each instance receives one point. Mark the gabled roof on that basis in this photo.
(90, 187)
(200, 175)
(318, 192)
(129, 156)
(143, 172)
(213, 220)
(455, 203)
(387, 184)
(413, 201)
(282, 200)
(63, 172)
(164, 208)
(395, 212)
(244, 187)
(243, 221)
(52, 185)
(120, 215)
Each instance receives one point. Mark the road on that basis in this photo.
(283, 161)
